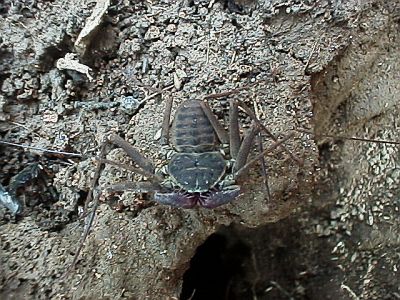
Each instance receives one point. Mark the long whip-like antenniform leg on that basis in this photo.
(92, 214)
(139, 187)
(144, 163)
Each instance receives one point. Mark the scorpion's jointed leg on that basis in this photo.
(234, 135)
(166, 121)
(139, 187)
(220, 131)
(138, 158)
(146, 166)
(239, 150)
(153, 177)
(272, 136)
(245, 148)
(134, 154)
(244, 169)
(88, 225)
(90, 217)
(99, 167)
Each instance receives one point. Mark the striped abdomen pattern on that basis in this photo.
(191, 129)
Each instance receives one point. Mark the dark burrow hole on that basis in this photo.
(276, 261)
(216, 264)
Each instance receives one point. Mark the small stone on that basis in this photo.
(152, 33)
(129, 47)
(370, 220)
(130, 104)
(171, 28)
(50, 116)
(157, 136)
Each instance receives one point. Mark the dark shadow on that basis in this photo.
(215, 265)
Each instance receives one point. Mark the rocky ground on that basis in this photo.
(330, 229)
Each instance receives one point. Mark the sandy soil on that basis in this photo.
(331, 228)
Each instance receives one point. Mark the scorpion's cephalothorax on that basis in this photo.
(197, 166)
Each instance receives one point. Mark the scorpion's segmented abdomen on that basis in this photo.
(191, 129)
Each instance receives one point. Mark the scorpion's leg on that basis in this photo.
(221, 132)
(272, 136)
(134, 154)
(234, 135)
(245, 148)
(137, 187)
(146, 166)
(138, 158)
(240, 156)
(244, 168)
(153, 177)
(90, 217)
(165, 123)
(88, 225)
(252, 116)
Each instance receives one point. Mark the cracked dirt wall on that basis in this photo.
(345, 244)
(151, 51)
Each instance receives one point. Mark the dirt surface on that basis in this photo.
(331, 227)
